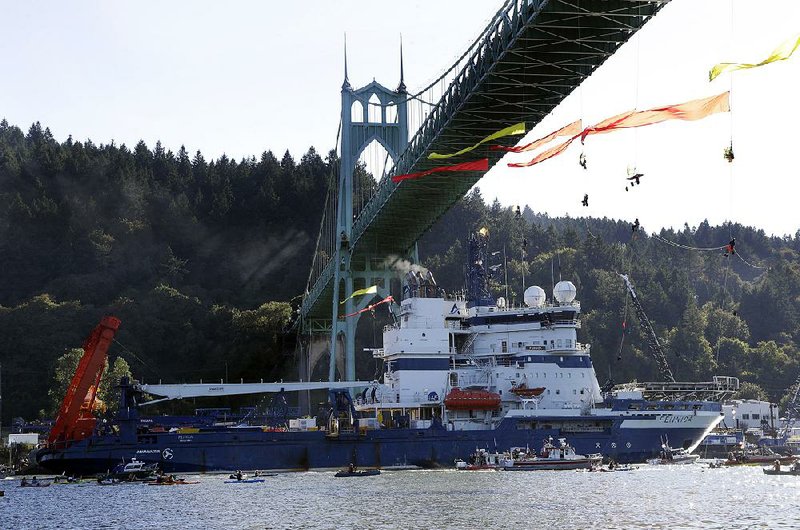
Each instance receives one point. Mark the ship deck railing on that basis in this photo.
(718, 389)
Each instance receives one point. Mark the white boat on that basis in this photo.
(482, 460)
(552, 456)
(670, 456)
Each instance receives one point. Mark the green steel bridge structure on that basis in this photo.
(531, 55)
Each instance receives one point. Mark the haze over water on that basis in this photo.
(651, 497)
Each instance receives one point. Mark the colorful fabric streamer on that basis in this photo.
(478, 165)
(373, 289)
(568, 130)
(370, 307)
(517, 128)
(691, 110)
(781, 53)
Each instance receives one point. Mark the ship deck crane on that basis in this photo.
(650, 334)
(76, 420)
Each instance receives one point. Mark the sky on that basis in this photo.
(243, 77)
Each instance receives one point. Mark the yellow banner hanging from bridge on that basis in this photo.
(373, 289)
(516, 129)
(781, 53)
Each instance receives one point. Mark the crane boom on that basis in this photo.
(650, 335)
(75, 419)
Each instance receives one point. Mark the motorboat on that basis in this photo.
(552, 456)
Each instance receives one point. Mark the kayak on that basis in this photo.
(364, 473)
(245, 481)
(173, 483)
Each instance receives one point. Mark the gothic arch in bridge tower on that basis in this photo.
(389, 127)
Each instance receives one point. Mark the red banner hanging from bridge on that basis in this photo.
(477, 165)
(370, 307)
(567, 130)
(691, 110)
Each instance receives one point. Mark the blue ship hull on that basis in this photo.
(253, 448)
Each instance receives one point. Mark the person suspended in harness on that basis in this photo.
(585, 200)
(634, 178)
(730, 248)
(582, 161)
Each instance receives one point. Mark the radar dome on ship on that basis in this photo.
(534, 296)
(564, 292)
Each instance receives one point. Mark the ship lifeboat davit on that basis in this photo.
(525, 392)
(471, 399)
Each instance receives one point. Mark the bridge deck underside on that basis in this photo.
(536, 57)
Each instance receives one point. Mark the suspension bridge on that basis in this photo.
(531, 55)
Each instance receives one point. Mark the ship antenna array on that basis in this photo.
(652, 338)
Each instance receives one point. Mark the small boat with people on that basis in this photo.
(482, 460)
(243, 478)
(551, 457)
(673, 456)
(777, 469)
(351, 471)
(170, 480)
(33, 483)
(613, 467)
(757, 456)
(135, 470)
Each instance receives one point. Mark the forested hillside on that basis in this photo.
(202, 259)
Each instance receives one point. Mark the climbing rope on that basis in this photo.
(739, 255)
(687, 247)
(136, 357)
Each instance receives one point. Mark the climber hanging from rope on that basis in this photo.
(730, 248)
(635, 178)
(582, 161)
(585, 200)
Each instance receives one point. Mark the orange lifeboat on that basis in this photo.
(469, 399)
(524, 392)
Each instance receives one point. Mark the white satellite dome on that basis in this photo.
(564, 292)
(534, 296)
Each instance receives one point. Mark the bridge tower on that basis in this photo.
(372, 112)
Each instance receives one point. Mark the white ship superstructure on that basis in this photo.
(472, 363)
(440, 344)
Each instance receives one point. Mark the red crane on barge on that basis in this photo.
(76, 420)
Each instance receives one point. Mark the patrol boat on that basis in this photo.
(461, 372)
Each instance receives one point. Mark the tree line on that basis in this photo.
(203, 261)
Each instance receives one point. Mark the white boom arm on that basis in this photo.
(192, 390)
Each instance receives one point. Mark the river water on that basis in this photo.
(673, 497)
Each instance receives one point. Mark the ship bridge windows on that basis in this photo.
(504, 346)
